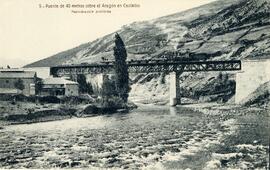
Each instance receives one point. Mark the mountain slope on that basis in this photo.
(222, 30)
(227, 30)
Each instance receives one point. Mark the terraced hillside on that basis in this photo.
(232, 29)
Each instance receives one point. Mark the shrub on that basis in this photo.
(91, 109)
(74, 100)
(49, 99)
(108, 88)
(112, 103)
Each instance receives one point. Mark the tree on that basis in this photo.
(110, 98)
(84, 86)
(39, 85)
(121, 68)
(19, 84)
(220, 76)
(108, 88)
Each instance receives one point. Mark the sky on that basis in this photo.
(29, 33)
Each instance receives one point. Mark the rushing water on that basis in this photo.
(155, 137)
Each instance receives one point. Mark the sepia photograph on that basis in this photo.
(135, 84)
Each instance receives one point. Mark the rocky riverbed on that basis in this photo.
(156, 137)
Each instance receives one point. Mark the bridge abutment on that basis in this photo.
(175, 96)
(254, 74)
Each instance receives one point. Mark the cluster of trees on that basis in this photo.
(84, 86)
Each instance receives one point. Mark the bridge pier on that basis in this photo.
(175, 96)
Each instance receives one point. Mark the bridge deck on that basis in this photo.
(142, 66)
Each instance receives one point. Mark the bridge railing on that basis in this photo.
(141, 66)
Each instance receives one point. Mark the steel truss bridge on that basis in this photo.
(147, 66)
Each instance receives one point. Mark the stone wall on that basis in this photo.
(9, 84)
(253, 74)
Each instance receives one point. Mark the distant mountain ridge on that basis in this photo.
(231, 29)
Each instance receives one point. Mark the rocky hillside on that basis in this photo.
(231, 29)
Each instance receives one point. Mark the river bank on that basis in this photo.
(25, 112)
(159, 137)
(246, 146)
(32, 112)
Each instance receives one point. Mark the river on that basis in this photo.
(150, 137)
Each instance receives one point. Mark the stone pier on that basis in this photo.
(175, 96)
